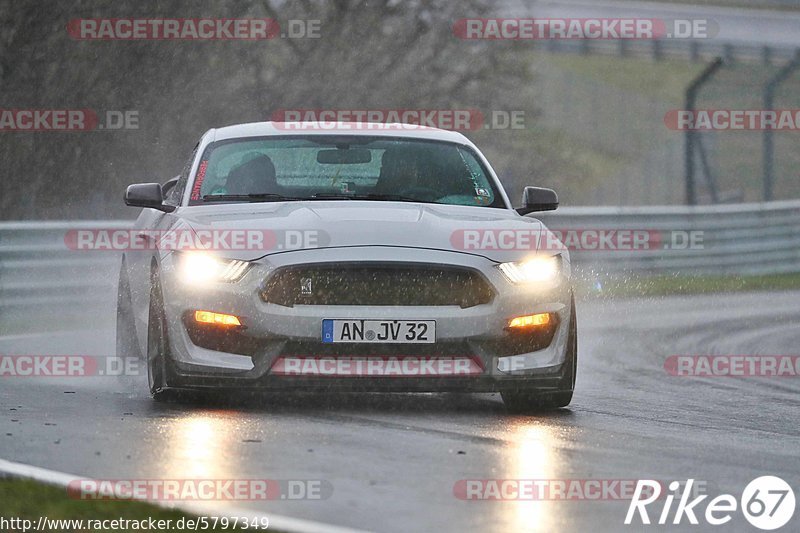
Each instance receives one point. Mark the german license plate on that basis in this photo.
(379, 331)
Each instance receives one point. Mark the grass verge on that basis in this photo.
(664, 80)
(679, 284)
(30, 500)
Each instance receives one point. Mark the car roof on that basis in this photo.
(263, 129)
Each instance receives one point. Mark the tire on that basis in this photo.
(158, 346)
(521, 401)
(127, 342)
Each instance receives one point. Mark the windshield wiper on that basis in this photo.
(273, 197)
(370, 196)
(259, 197)
(392, 198)
(331, 196)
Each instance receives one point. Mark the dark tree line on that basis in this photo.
(370, 54)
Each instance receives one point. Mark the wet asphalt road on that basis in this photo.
(393, 460)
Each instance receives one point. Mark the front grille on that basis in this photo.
(377, 284)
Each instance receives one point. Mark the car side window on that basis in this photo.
(176, 193)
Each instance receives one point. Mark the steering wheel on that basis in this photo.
(422, 193)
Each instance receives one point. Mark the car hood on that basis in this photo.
(291, 226)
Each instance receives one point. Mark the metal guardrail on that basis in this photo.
(744, 239)
(36, 264)
(39, 271)
(657, 49)
(45, 285)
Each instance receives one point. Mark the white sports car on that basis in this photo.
(289, 257)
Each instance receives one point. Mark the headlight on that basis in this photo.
(201, 267)
(538, 269)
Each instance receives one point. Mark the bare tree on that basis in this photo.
(369, 54)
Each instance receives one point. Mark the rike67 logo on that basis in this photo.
(767, 502)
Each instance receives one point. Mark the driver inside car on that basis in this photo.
(403, 173)
(256, 176)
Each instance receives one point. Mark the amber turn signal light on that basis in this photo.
(530, 321)
(217, 319)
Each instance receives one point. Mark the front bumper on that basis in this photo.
(274, 330)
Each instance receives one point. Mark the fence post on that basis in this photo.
(768, 147)
(728, 52)
(658, 53)
(694, 51)
(766, 55)
(691, 98)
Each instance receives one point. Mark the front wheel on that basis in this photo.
(520, 401)
(157, 346)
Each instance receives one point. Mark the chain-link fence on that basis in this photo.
(729, 164)
(617, 121)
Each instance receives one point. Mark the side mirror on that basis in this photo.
(538, 199)
(147, 195)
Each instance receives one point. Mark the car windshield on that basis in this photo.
(343, 168)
